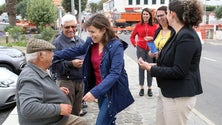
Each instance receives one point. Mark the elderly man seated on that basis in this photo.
(39, 100)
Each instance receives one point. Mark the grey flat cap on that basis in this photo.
(36, 45)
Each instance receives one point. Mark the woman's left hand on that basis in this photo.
(145, 65)
(89, 97)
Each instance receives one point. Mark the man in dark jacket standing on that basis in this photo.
(69, 73)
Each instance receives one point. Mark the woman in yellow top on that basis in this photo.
(163, 33)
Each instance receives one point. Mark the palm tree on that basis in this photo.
(10, 7)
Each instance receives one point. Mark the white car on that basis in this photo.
(8, 81)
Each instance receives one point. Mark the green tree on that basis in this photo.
(2, 8)
(210, 8)
(93, 7)
(218, 12)
(100, 4)
(21, 8)
(66, 4)
(10, 7)
(41, 12)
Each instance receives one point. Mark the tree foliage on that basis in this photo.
(66, 4)
(41, 12)
(21, 8)
(100, 4)
(93, 7)
(210, 8)
(218, 12)
(2, 8)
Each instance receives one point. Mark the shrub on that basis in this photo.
(20, 43)
(15, 32)
(46, 34)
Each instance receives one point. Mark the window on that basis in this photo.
(153, 1)
(130, 2)
(145, 1)
(162, 1)
(137, 2)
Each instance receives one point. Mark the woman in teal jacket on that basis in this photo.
(103, 69)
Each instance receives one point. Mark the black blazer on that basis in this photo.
(177, 71)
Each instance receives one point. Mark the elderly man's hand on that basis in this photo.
(66, 109)
(77, 63)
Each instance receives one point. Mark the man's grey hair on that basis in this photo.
(67, 18)
(30, 57)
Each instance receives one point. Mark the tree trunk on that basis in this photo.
(10, 7)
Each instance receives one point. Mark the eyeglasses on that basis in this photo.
(67, 27)
(159, 16)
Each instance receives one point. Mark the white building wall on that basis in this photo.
(120, 5)
(212, 2)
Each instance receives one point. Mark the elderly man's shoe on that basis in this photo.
(82, 112)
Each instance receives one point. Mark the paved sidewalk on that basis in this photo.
(141, 112)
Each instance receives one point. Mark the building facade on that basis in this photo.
(138, 5)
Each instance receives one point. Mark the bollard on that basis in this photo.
(6, 36)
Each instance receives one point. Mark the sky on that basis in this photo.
(2, 2)
(94, 1)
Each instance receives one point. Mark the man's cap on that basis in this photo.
(36, 45)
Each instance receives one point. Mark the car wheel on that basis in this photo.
(7, 67)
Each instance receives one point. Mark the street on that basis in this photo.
(208, 103)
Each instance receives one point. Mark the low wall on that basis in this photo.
(218, 35)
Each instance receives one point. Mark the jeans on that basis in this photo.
(103, 117)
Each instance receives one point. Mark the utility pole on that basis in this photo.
(73, 7)
(80, 21)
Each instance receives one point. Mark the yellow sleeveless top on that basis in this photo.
(160, 41)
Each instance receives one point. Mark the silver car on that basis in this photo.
(11, 58)
(8, 81)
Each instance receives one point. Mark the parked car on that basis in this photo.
(13, 59)
(4, 17)
(8, 81)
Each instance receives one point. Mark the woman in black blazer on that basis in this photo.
(177, 69)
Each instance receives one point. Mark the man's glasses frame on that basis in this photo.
(68, 27)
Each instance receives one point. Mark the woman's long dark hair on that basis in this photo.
(99, 21)
(150, 22)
